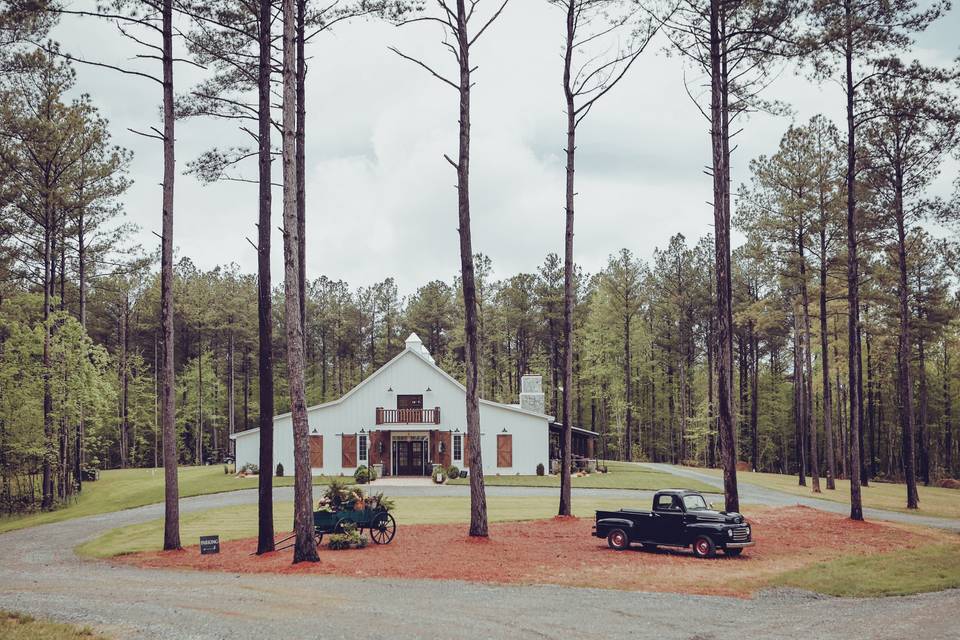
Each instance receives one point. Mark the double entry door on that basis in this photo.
(410, 458)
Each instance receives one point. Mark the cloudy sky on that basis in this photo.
(380, 197)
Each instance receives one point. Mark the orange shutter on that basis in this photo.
(316, 452)
(348, 451)
(504, 450)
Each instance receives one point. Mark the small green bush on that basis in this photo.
(279, 469)
(347, 539)
(453, 472)
(362, 475)
(540, 470)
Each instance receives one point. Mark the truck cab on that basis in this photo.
(679, 518)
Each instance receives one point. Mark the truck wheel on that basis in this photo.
(703, 547)
(618, 540)
(733, 553)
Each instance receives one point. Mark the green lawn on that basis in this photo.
(232, 523)
(620, 476)
(127, 488)
(15, 626)
(932, 568)
(934, 501)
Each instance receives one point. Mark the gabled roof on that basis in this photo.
(415, 347)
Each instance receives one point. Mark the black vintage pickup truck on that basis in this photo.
(680, 518)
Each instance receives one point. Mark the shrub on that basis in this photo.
(540, 470)
(453, 472)
(362, 475)
(439, 476)
(226, 469)
(250, 469)
(279, 469)
(347, 538)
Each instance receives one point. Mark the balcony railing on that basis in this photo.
(408, 416)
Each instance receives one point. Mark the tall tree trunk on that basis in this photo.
(871, 409)
(711, 413)
(46, 501)
(568, 265)
(800, 400)
(171, 527)
(947, 412)
(125, 440)
(924, 412)
(231, 420)
(265, 531)
(82, 268)
(825, 364)
(628, 387)
(754, 399)
(478, 496)
(904, 376)
(853, 274)
(721, 219)
(811, 424)
(301, 164)
(305, 548)
(198, 443)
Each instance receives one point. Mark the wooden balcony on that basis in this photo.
(408, 416)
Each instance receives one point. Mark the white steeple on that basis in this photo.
(415, 344)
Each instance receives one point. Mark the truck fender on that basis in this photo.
(615, 522)
(715, 531)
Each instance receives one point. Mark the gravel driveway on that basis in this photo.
(40, 575)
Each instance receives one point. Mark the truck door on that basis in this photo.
(668, 519)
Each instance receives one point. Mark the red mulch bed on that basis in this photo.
(562, 551)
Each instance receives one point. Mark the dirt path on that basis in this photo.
(40, 575)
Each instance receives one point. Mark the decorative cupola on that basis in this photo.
(415, 344)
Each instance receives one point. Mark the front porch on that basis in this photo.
(413, 453)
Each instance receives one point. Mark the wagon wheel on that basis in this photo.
(318, 536)
(383, 528)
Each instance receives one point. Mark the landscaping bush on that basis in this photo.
(250, 469)
(453, 472)
(279, 469)
(347, 539)
(540, 470)
(439, 475)
(362, 474)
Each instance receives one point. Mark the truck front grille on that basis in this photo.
(740, 534)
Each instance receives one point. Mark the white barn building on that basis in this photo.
(410, 415)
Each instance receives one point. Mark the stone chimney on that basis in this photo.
(531, 393)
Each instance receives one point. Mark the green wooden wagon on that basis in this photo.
(377, 521)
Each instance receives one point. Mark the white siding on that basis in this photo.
(409, 373)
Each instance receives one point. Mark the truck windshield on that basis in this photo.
(692, 503)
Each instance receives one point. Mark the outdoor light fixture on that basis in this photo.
(504, 430)
(363, 430)
(390, 389)
(428, 390)
(457, 430)
(314, 430)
